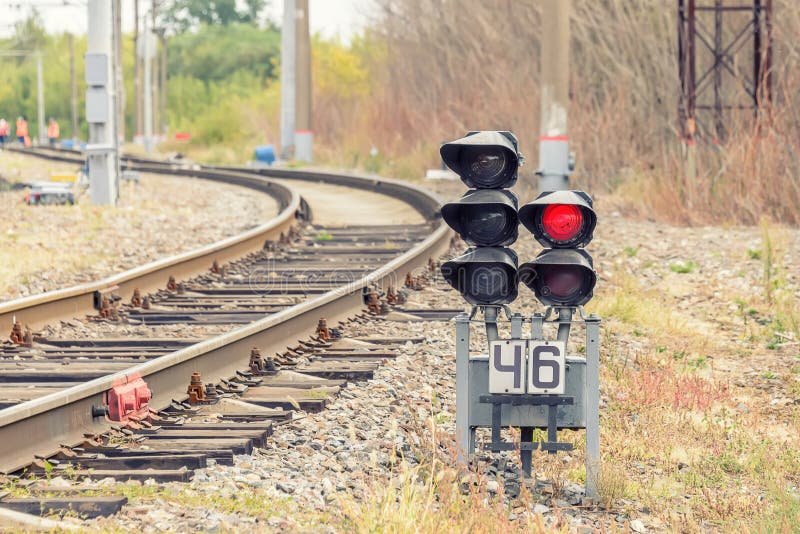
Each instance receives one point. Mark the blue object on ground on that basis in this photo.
(265, 154)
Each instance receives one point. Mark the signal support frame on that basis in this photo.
(477, 408)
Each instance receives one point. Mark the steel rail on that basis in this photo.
(38, 310)
(40, 426)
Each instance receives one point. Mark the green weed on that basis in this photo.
(683, 267)
(754, 254)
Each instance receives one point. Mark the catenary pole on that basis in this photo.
(73, 83)
(118, 74)
(288, 79)
(154, 78)
(42, 133)
(554, 159)
(162, 101)
(303, 137)
(101, 103)
(147, 90)
(137, 74)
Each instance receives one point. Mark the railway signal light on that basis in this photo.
(563, 274)
(484, 160)
(485, 217)
(484, 275)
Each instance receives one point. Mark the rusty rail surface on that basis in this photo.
(40, 426)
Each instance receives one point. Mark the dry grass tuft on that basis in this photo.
(611, 484)
(427, 498)
(432, 497)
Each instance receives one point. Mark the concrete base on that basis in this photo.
(553, 182)
(303, 146)
(102, 179)
(554, 164)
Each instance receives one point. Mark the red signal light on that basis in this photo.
(562, 222)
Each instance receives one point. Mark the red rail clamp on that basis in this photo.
(128, 399)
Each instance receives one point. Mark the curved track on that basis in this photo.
(42, 425)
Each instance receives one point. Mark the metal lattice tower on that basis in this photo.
(724, 62)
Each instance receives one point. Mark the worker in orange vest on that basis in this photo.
(53, 132)
(22, 129)
(3, 132)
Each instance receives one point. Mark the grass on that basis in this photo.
(683, 267)
(706, 463)
(630, 251)
(433, 496)
(611, 484)
(251, 501)
(641, 309)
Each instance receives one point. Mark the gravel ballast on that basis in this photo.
(51, 247)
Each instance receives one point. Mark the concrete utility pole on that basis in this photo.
(42, 133)
(147, 90)
(554, 159)
(303, 137)
(118, 74)
(137, 74)
(154, 71)
(73, 83)
(288, 79)
(162, 102)
(101, 104)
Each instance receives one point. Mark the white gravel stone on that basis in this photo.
(52, 247)
(539, 508)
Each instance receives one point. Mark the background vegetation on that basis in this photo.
(426, 70)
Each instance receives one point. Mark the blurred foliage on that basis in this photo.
(216, 53)
(179, 16)
(215, 73)
(18, 90)
(223, 77)
(339, 69)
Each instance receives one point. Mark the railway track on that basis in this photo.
(141, 399)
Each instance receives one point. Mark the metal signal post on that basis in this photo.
(530, 383)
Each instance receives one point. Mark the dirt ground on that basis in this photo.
(369, 208)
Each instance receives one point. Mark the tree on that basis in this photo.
(29, 34)
(180, 16)
(217, 52)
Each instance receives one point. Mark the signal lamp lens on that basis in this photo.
(484, 275)
(486, 284)
(562, 222)
(561, 282)
(485, 225)
(486, 164)
(560, 277)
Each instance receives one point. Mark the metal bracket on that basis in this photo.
(552, 402)
(98, 149)
(552, 445)
(475, 309)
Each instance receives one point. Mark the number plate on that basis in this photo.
(507, 366)
(546, 364)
